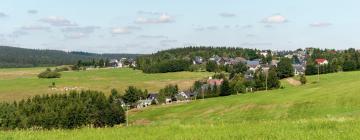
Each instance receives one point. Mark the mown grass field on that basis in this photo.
(326, 110)
(22, 83)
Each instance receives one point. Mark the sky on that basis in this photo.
(147, 26)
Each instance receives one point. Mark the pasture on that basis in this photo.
(21, 83)
(326, 110)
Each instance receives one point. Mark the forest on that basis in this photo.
(13, 57)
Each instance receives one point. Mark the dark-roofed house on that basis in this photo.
(198, 60)
(299, 69)
(253, 65)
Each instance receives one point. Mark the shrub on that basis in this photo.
(49, 74)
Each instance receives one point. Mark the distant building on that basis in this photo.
(198, 60)
(322, 61)
(213, 82)
(299, 69)
(115, 63)
(253, 65)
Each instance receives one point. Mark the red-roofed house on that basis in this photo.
(217, 82)
(322, 61)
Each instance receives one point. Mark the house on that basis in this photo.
(114, 63)
(182, 96)
(240, 59)
(198, 60)
(153, 97)
(299, 69)
(168, 100)
(213, 82)
(290, 56)
(264, 53)
(274, 63)
(216, 58)
(321, 61)
(143, 103)
(253, 65)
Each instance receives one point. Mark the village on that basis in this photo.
(299, 66)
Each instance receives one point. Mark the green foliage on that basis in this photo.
(225, 88)
(48, 73)
(273, 80)
(133, 94)
(168, 66)
(303, 79)
(169, 91)
(67, 111)
(211, 66)
(285, 68)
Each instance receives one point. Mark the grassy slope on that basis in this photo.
(23, 83)
(327, 110)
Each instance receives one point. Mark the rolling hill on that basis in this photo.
(11, 57)
(327, 110)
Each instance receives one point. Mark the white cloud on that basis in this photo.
(227, 15)
(124, 30)
(32, 11)
(85, 29)
(163, 18)
(3, 15)
(58, 21)
(35, 28)
(320, 24)
(275, 19)
(78, 32)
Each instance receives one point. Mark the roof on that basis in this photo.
(152, 95)
(215, 81)
(299, 68)
(319, 61)
(113, 61)
(253, 63)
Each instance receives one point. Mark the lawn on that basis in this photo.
(22, 83)
(326, 110)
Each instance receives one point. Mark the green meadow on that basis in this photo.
(326, 110)
(22, 83)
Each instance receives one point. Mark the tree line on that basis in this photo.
(66, 111)
(11, 57)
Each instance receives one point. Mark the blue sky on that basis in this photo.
(146, 26)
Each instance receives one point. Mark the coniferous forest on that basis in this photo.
(12, 57)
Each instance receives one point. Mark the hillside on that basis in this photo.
(20, 57)
(325, 110)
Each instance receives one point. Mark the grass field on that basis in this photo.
(22, 83)
(326, 110)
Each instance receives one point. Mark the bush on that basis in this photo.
(49, 74)
(303, 79)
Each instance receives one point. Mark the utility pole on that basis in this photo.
(318, 73)
(127, 116)
(266, 80)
